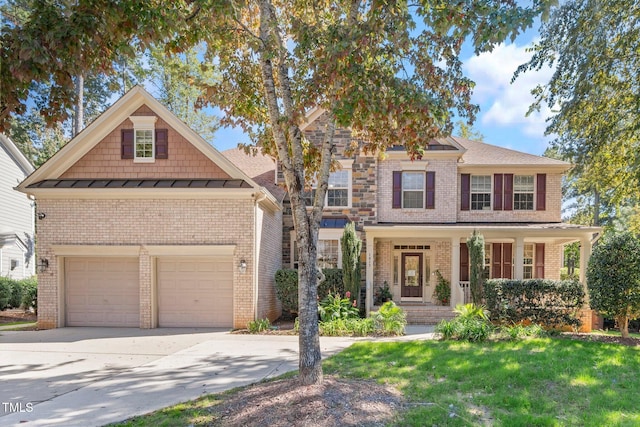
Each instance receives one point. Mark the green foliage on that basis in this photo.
(259, 325)
(333, 306)
(344, 327)
(592, 46)
(286, 281)
(476, 266)
(442, 292)
(351, 248)
(546, 302)
(471, 324)
(18, 293)
(613, 278)
(382, 294)
(389, 319)
(519, 332)
(30, 293)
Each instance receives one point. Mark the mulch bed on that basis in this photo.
(17, 315)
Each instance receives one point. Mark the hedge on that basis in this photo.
(18, 293)
(546, 302)
(287, 286)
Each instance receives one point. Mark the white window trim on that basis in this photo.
(424, 190)
(144, 123)
(471, 193)
(533, 193)
(346, 165)
(323, 234)
(533, 260)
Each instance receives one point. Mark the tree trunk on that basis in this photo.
(78, 120)
(623, 325)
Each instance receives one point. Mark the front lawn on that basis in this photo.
(537, 382)
(541, 382)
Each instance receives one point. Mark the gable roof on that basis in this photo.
(83, 142)
(15, 154)
(482, 154)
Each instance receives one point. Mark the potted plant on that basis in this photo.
(382, 294)
(442, 292)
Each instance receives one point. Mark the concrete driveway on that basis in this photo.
(95, 376)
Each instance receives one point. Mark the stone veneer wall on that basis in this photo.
(146, 222)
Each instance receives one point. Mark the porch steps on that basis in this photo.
(426, 314)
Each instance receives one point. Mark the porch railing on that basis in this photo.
(466, 290)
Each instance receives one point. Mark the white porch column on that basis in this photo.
(457, 294)
(585, 254)
(369, 274)
(519, 261)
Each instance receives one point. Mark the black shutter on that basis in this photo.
(126, 147)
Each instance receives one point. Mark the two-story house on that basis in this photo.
(16, 214)
(415, 217)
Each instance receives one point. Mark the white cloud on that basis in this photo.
(503, 103)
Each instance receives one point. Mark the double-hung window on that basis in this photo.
(413, 190)
(144, 138)
(480, 192)
(338, 191)
(528, 261)
(523, 188)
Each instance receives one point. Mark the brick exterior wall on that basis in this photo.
(185, 161)
(155, 222)
(445, 203)
(269, 262)
(552, 212)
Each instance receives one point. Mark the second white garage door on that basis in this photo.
(195, 292)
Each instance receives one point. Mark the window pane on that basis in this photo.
(480, 192)
(412, 181)
(523, 202)
(523, 183)
(328, 253)
(144, 144)
(339, 179)
(412, 199)
(481, 184)
(337, 197)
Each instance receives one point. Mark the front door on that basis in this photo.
(411, 275)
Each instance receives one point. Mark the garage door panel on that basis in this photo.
(102, 292)
(191, 292)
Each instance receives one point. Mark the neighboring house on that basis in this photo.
(16, 214)
(415, 217)
(144, 224)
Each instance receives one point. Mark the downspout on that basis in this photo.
(257, 200)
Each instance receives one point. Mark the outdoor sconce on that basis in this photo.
(43, 265)
(243, 266)
(42, 215)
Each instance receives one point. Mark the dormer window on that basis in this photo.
(144, 143)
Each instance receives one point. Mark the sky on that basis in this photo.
(502, 118)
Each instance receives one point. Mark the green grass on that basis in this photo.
(538, 382)
(535, 382)
(22, 322)
(615, 333)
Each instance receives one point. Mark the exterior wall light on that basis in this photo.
(42, 215)
(243, 266)
(43, 265)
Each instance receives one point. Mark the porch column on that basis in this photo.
(585, 254)
(369, 273)
(457, 294)
(519, 261)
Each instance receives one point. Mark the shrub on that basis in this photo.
(518, 332)
(546, 302)
(356, 327)
(475, 243)
(336, 307)
(287, 286)
(442, 292)
(613, 279)
(471, 324)
(389, 319)
(287, 289)
(351, 248)
(30, 293)
(15, 299)
(6, 288)
(332, 283)
(259, 325)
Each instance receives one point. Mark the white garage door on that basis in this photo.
(102, 292)
(195, 292)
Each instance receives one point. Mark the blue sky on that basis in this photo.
(503, 105)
